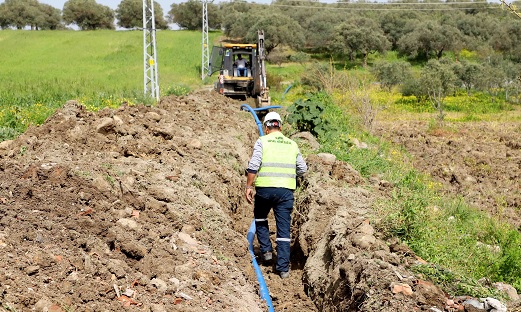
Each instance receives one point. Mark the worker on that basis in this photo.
(274, 166)
(241, 66)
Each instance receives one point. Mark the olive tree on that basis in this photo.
(130, 14)
(393, 23)
(49, 18)
(278, 30)
(498, 74)
(429, 38)
(390, 74)
(189, 15)
(20, 13)
(4, 22)
(319, 30)
(468, 74)
(436, 81)
(361, 35)
(88, 14)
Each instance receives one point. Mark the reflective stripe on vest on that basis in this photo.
(279, 157)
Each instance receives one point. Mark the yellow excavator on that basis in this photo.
(242, 71)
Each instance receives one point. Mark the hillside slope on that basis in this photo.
(141, 209)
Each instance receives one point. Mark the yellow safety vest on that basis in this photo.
(279, 158)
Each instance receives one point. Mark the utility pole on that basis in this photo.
(151, 80)
(206, 56)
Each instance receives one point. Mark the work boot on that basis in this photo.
(267, 256)
(284, 275)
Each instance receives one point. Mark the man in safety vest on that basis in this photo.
(274, 166)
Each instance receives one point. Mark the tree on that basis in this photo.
(491, 79)
(477, 29)
(4, 23)
(391, 74)
(467, 72)
(436, 81)
(361, 35)
(236, 24)
(88, 14)
(237, 17)
(278, 30)
(498, 74)
(130, 14)
(319, 30)
(507, 39)
(20, 13)
(428, 38)
(189, 15)
(394, 24)
(49, 18)
(317, 20)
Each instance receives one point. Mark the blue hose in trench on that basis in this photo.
(263, 289)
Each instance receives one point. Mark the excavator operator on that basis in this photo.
(241, 66)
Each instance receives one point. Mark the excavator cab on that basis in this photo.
(237, 83)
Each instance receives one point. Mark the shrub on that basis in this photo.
(274, 81)
(306, 115)
(299, 57)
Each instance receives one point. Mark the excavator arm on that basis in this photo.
(260, 85)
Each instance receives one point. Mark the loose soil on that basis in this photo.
(480, 161)
(142, 209)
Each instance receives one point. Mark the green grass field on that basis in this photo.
(41, 70)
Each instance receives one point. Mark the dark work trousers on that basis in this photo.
(281, 200)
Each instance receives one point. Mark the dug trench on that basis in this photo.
(141, 208)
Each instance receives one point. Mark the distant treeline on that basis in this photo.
(412, 28)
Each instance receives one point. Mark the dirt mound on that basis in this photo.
(141, 208)
(127, 207)
(348, 267)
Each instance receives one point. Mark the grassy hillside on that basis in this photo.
(43, 69)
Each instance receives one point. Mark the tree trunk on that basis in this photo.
(439, 54)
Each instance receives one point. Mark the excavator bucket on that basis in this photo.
(263, 101)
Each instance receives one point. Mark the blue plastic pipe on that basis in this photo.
(254, 111)
(287, 90)
(263, 289)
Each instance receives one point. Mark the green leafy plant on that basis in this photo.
(306, 115)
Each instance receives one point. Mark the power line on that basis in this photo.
(512, 8)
